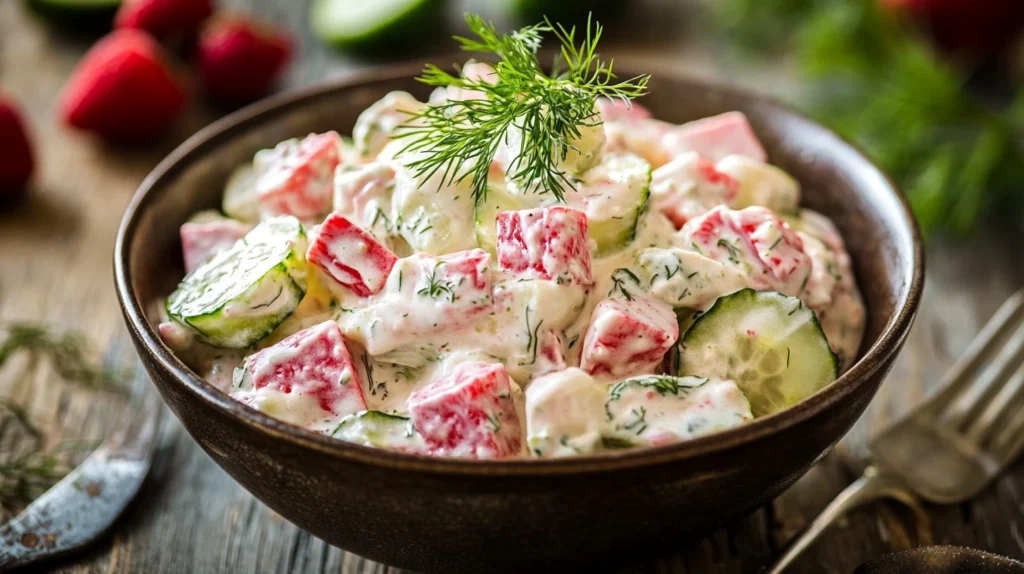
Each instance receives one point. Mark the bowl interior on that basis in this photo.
(836, 180)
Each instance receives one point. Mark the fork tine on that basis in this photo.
(969, 393)
(981, 346)
(981, 428)
(1010, 440)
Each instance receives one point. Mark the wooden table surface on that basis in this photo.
(55, 265)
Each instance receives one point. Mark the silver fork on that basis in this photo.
(952, 446)
(84, 504)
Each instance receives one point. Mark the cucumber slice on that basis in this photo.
(78, 15)
(613, 195)
(770, 344)
(431, 217)
(485, 213)
(377, 429)
(386, 26)
(240, 295)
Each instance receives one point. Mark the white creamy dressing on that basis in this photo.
(436, 311)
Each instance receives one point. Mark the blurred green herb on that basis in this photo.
(878, 83)
(69, 353)
(29, 468)
(460, 138)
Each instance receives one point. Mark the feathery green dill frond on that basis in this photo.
(459, 139)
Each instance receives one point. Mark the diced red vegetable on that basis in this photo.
(618, 110)
(545, 243)
(351, 256)
(314, 362)
(425, 296)
(356, 190)
(550, 354)
(175, 336)
(469, 412)
(689, 186)
(716, 137)
(628, 337)
(297, 177)
(202, 240)
(755, 239)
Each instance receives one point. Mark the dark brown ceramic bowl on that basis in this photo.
(443, 515)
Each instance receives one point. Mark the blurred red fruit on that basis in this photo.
(971, 27)
(240, 60)
(163, 18)
(123, 89)
(17, 159)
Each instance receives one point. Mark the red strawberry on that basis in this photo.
(17, 159)
(123, 89)
(163, 18)
(239, 60)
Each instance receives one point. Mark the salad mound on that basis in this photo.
(638, 284)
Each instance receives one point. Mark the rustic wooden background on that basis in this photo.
(55, 265)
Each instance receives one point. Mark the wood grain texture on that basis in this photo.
(55, 265)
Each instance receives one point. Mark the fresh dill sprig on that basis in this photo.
(437, 288)
(68, 352)
(459, 139)
(26, 476)
(28, 466)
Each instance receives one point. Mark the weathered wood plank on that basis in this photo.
(191, 517)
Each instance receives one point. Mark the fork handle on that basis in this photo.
(871, 486)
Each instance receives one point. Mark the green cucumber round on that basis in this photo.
(375, 26)
(243, 293)
(613, 196)
(771, 345)
(76, 15)
(379, 429)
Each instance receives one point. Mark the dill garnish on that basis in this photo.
(459, 139)
(68, 352)
(30, 467)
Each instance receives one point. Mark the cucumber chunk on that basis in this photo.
(485, 213)
(387, 26)
(770, 344)
(613, 195)
(381, 430)
(76, 15)
(240, 295)
(239, 200)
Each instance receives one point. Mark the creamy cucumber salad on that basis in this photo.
(674, 288)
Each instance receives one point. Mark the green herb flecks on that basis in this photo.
(532, 336)
(29, 466)
(436, 288)
(68, 352)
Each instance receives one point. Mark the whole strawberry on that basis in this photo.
(123, 89)
(17, 160)
(240, 60)
(164, 18)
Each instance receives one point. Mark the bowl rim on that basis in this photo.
(870, 362)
